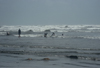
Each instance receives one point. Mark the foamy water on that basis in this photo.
(81, 41)
(32, 31)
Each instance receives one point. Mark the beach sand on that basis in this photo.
(27, 52)
(22, 61)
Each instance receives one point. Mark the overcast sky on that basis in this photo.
(49, 12)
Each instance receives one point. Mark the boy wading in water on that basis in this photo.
(19, 32)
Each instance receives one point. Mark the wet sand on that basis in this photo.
(40, 52)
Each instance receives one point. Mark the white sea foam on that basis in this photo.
(59, 28)
(87, 31)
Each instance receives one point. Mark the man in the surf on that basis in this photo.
(45, 34)
(8, 33)
(19, 32)
(53, 34)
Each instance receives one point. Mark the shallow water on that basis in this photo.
(15, 51)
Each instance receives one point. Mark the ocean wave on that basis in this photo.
(58, 35)
(53, 27)
(83, 37)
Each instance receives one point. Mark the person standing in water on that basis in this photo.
(19, 32)
(45, 34)
(8, 33)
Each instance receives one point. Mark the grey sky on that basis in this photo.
(49, 12)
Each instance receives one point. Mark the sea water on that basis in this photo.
(80, 41)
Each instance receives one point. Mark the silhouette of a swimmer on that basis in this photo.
(45, 34)
(62, 34)
(19, 32)
(8, 33)
(53, 34)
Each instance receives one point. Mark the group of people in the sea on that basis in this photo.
(45, 34)
(19, 33)
(52, 35)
